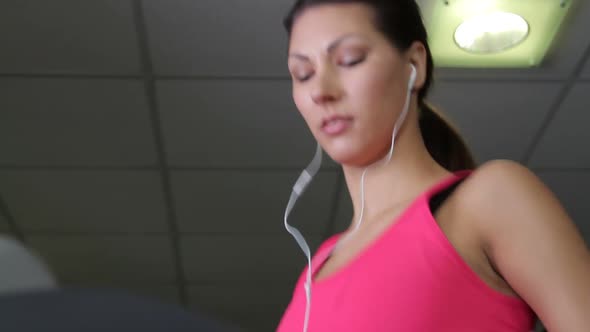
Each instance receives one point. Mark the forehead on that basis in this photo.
(318, 25)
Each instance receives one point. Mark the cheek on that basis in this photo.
(376, 91)
(383, 84)
(303, 106)
(378, 96)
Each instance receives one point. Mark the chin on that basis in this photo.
(353, 155)
(345, 155)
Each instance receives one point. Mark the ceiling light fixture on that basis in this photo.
(493, 33)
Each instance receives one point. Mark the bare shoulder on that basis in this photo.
(501, 170)
(504, 197)
(501, 176)
(499, 184)
(533, 242)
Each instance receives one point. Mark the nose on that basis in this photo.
(326, 89)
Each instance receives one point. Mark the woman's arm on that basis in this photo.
(533, 243)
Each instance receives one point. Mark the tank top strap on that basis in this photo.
(447, 182)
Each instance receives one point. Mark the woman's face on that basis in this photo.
(349, 82)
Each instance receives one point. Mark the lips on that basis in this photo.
(336, 125)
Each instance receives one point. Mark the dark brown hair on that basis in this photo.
(401, 22)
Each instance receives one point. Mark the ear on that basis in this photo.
(417, 55)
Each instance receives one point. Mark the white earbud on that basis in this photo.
(412, 77)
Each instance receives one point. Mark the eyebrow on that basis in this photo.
(333, 45)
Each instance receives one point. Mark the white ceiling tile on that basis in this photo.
(565, 54)
(497, 119)
(564, 143)
(85, 201)
(244, 258)
(74, 122)
(572, 189)
(250, 201)
(250, 306)
(68, 36)
(107, 259)
(234, 124)
(205, 38)
(586, 71)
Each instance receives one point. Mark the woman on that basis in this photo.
(435, 244)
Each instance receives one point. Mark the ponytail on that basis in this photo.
(443, 141)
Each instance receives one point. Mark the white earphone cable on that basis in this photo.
(305, 178)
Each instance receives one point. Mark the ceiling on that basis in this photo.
(152, 145)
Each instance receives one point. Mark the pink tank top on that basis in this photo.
(410, 279)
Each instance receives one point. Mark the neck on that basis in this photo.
(386, 185)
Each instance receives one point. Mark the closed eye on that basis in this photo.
(346, 64)
(353, 62)
(303, 78)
